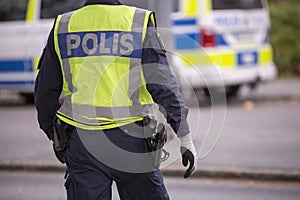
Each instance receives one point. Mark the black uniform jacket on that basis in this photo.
(49, 81)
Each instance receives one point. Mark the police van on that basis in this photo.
(24, 27)
(227, 39)
(222, 43)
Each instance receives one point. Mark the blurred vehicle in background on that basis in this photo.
(222, 38)
(212, 39)
(24, 27)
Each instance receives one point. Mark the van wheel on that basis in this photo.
(29, 97)
(231, 91)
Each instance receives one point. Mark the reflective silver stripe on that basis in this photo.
(63, 27)
(136, 64)
(135, 81)
(68, 74)
(77, 111)
(138, 20)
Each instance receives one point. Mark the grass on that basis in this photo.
(285, 31)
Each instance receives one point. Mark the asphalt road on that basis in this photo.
(49, 186)
(258, 131)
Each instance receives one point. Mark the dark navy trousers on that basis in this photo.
(90, 179)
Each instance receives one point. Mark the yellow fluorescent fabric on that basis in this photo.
(107, 16)
(35, 63)
(94, 75)
(145, 96)
(94, 83)
(65, 84)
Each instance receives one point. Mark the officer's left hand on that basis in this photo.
(189, 155)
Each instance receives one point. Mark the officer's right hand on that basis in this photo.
(189, 155)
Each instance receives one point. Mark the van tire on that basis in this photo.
(29, 97)
(231, 91)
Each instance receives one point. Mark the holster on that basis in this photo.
(156, 139)
(61, 138)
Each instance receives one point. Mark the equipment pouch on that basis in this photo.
(156, 138)
(61, 140)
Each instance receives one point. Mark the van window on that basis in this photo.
(52, 8)
(236, 4)
(175, 6)
(13, 10)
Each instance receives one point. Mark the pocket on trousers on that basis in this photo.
(158, 189)
(68, 181)
(70, 186)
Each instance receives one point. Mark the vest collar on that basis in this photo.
(108, 2)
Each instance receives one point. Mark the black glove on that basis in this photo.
(60, 155)
(189, 155)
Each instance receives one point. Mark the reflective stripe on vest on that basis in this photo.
(92, 114)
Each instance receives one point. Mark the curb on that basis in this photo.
(211, 173)
(233, 174)
(32, 166)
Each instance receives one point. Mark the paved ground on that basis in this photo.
(49, 186)
(260, 133)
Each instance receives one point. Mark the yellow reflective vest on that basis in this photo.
(100, 52)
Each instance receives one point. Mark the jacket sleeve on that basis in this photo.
(162, 84)
(48, 87)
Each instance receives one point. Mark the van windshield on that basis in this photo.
(236, 4)
(13, 10)
(52, 8)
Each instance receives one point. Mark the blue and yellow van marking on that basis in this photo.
(16, 66)
(31, 10)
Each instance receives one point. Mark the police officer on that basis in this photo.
(111, 66)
